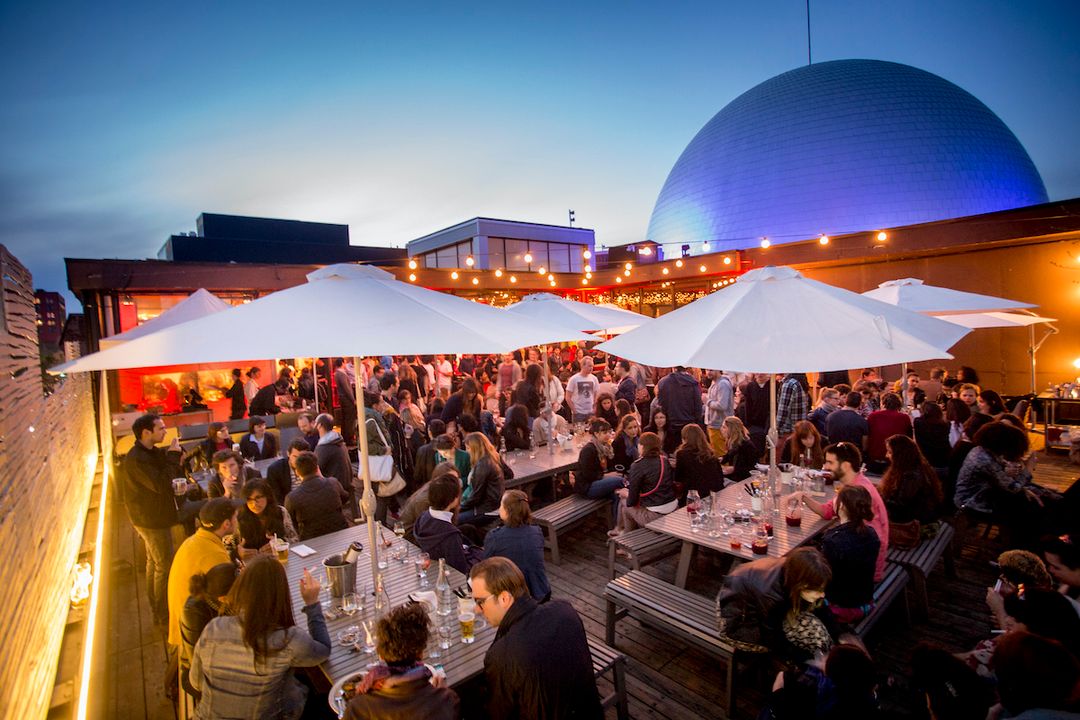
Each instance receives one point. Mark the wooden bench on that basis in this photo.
(566, 513)
(920, 561)
(680, 612)
(606, 659)
(885, 592)
(643, 546)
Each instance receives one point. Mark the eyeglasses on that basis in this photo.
(480, 601)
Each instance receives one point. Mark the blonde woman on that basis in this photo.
(741, 455)
(485, 481)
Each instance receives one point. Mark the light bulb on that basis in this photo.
(701, 268)
(542, 270)
(412, 277)
(586, 254)
(882, 236)
(727, 261)
(551, 278)
(824, 240)
(618, 279)
(678, 263)
(528, 257)
(412, 264)
(626, 273)
(513, 278)
(665, 271)
(469, 261)
(583, 281)
(588, 268)
(498, 272)
(628, 265)
(765, 243)
(476, 281)
(588, 275)
(454, 275)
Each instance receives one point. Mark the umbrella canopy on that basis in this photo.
(978, 321)
(199, 304)
(913, 294)
(343, 310)
(774, 320)
(576, 315)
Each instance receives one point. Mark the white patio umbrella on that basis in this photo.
(576, 315)
(774, 320)
(343, 310)
(982, 311)
(199, 304)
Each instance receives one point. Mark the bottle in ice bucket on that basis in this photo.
(352, 553)
(444, 595)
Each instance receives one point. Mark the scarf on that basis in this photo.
(381, 675)
(605, 450)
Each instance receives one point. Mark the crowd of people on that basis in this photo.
(652, 437)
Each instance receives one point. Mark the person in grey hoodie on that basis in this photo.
(679, 394)
(333, 459)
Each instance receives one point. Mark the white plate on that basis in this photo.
(336, 698)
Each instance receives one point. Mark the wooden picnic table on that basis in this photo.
(531, 466)
(732, 499)
(461, 662)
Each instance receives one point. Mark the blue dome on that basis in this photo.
(841, 146)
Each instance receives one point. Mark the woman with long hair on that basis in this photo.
(852, 549)
(651, 490)
(605, 408)
(956, 414)
(741, 455)
(207, 593)
(527, 391)
(485, 481)
(515, 430)
(466, 401)
(696, 465)
(990, 403)
(658, 425)
(520, 541)
(625, 444)
(910, 487)
(412, 418)
(595, 476)
(261, 519)
(803, 446)
(217, 438)
(932, 434)
(243, 662)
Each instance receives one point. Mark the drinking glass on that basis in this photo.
(423, 562)
(399, 529)
(350, 604)
(327, 600)
(467, 621)
(445, 633)
(729, 522)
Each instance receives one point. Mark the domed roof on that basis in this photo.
(838, 147)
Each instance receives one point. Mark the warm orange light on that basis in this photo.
(586, 254)
(454, 275)
(1076, 363)
(588, 275)
(882, 236)
(701, 268)
(765, 243)
(824, 240)
(588, 268)
(513, 278)
(626, 273)
(552, 283)
(476, 281)
(542, 270)
(665, 271)
(528, 257)
(412, 277)
(583, 281)
(727, 260)
(412, 264)
(628, 265)
(551, 278)
(469, 261)
(678, 263)
(618, 279)
(498, 272)
(645, 251)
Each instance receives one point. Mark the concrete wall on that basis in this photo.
(1044, 273)
(48, 453)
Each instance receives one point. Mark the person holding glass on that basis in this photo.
(625, 445)
(261, 519)
(651, 490)
(242, 663)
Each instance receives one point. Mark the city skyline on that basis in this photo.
(124, 123)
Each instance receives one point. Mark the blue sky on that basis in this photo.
(122, 122)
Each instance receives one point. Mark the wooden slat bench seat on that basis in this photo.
(921, 560)
(607, 659)
(689, 616)
(566, 513)
(643, 546)
(888, 590)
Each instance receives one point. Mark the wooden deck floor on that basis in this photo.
(666, 679)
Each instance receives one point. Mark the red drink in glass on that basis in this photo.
(760, 546)
(768, 528)
(793, 520)
(736, 543)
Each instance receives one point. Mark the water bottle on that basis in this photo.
(445, 596)
(502, 447)
(382, 600)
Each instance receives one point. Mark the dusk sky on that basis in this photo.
(121, 123)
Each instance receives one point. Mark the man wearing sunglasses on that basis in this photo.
(539, 665)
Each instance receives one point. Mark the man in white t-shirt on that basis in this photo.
(581, 391)
(444, 375)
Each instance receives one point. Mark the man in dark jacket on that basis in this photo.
(755, 400)
(151, 503)
(539, 665)
(679, 395)
(232, 473)
(236, 394)
(264, 402)
(305, 423)
(282, 473)
(333, 458)
(347, 400)
(627, 389)
(435, 531)
(315, 505)
(426, 456)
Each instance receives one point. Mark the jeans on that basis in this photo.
(605, 487)
(159, 554)
(581, 417)
(473, 517)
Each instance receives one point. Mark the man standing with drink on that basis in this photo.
(539, 665)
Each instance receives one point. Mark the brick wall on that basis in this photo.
(46, 479)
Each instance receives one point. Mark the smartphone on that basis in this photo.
(997, 586)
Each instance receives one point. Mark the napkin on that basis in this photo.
(426, 597)
(302, 550)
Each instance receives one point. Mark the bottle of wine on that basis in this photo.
(444, 595)
(352, 553)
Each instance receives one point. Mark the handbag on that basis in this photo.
(384, 475)
(905, 536)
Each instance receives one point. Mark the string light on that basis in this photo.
(727, 260)
(542, 270)
(476, 281)
(412, 277)
(665, 271)
(765, 243)
(588, 275)
(882, 236)
(551, 278)
(628, 265)
(412, 264)
(626, 273)
(618, 279)
(469, 261)
(552, 283)
(454, 275)
(498, 272)
(705, 246)
(701, 268)
(513, 278)
(824, 239)
(588, 268)
(584, 281)
(586, 254)
(528, 257)
(678, 263)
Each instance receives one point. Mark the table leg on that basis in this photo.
(685, 558)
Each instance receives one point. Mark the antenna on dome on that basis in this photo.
(809, 56)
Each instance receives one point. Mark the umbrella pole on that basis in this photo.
(367, 500)
(315, 377)
(903, 384)
(773, 435)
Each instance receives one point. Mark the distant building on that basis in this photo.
(73, 338)
(51, 315)
(504, 244)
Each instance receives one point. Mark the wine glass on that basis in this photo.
(399, 529)
(423, 562)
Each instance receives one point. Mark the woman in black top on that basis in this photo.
(625, 444)
(910, 488)
(651, 492)
(217, 438)
(593, 477)
(658, 426)
(485, 480)
(262, 518)
(515, 430)
(741, 455)
(527, 391)
(851, 549)
(696, 465)
(803, 446)
(605, 408)
(207, 592)
(932, 435)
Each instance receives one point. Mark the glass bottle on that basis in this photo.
(381, 606)
(444, 595)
